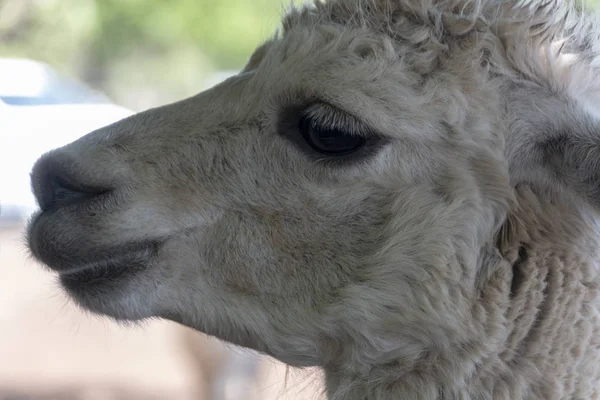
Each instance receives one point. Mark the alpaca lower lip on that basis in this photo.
(120, 260)
(111, 268)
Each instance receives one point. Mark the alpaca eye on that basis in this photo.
(329, 141)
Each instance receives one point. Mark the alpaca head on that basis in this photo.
(328, 205)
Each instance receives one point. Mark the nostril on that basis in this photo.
(54, 186)
(63, 193)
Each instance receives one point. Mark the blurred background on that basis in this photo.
(68, 67)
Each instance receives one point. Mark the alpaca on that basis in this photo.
(403, 193)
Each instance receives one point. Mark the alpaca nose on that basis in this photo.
(56, 183)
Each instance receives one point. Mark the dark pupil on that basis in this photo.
(329, 141)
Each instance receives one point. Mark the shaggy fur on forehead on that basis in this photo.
(441, 19)
(540, 39)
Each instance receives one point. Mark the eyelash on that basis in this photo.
(331, 118)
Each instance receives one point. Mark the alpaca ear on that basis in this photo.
(553, 143)
(572, 156)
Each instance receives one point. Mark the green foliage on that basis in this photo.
(224, 30)
(141, 52)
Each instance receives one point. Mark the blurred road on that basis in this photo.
(49, 349)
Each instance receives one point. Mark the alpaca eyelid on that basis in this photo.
(331, 117)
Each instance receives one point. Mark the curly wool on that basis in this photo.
(547, 41)
(551, 351)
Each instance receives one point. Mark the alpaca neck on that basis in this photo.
(535, 321)
(463, 370)
(448, 362)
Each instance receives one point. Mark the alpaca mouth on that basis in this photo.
(79, 261)
(108, 268)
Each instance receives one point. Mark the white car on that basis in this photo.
(39, 111)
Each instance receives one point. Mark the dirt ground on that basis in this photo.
(49, 349)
